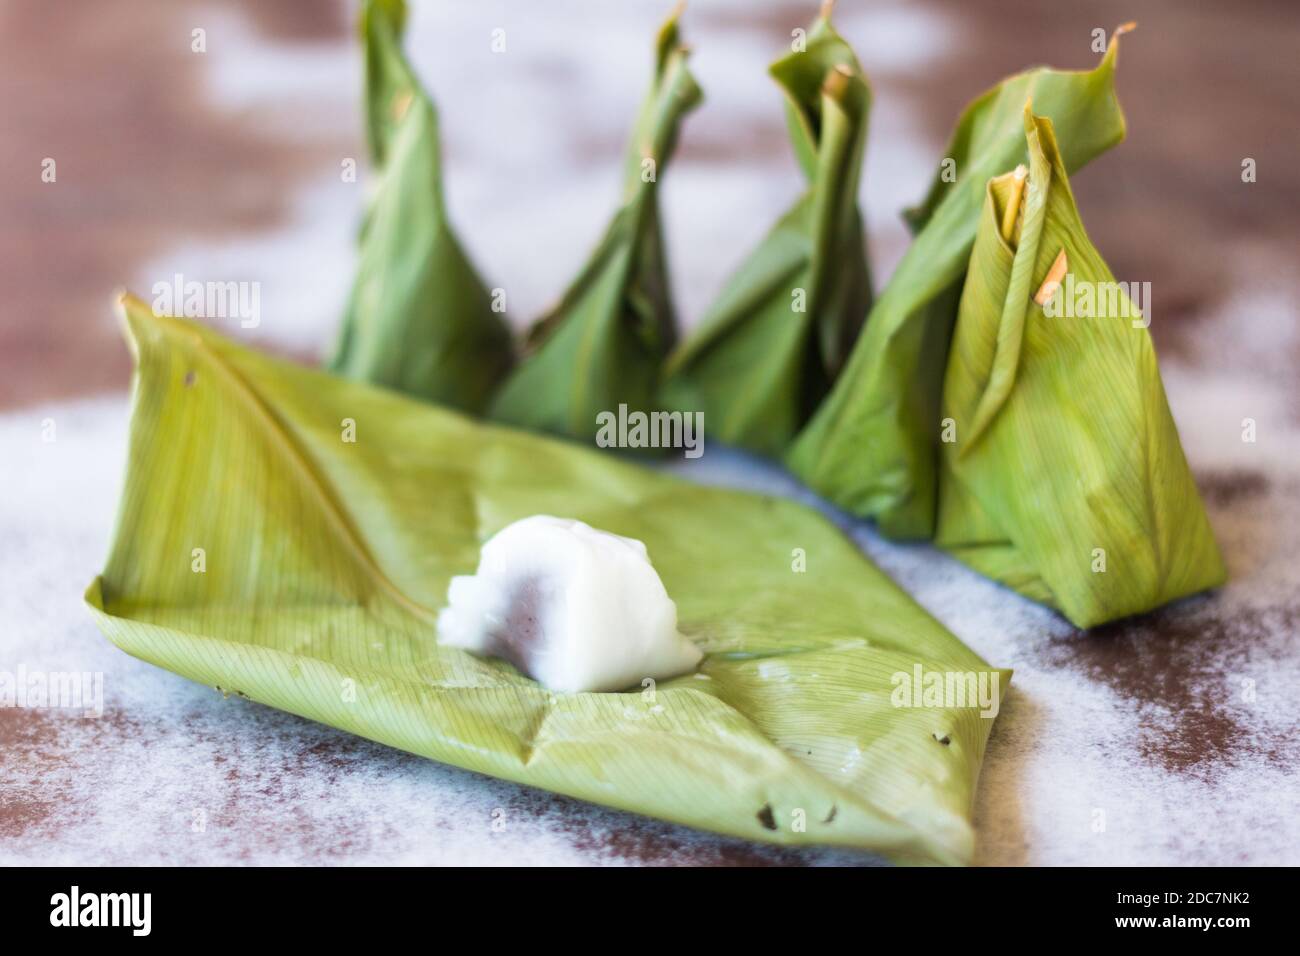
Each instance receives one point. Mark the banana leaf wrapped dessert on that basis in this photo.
(604, 344)
(332, 517)
(419, 319)
(1064, 478)
(767, 350)
(871, 447)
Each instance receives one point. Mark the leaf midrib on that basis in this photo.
(280, 438)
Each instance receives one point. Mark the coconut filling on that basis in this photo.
(573, 607)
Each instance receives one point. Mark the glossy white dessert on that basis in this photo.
(573, 607)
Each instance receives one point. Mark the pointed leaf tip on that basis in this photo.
(134, 316)
(1111, 55)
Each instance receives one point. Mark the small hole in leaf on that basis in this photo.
(766, 817)
(945, 739)
(189, 378)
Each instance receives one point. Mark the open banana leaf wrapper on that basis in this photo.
(288, 536)
(604, 344)
(419, 319)
(872, 445)
(1065, 478)
(766, 352)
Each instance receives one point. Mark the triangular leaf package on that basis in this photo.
(768, 349)
(1065, 477)
(605, 342)
(419, 319)
(871, 447)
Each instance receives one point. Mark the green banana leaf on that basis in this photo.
(605, 342)
(324, 561)
(1065, 479)
(768, 349)
(871, 447)
(419, 319)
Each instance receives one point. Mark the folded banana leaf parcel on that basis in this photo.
(603, 345)
(289, 536)
(765, 354)
(1038, 449)
(872, 445)
(1064, 476)
(419, 318)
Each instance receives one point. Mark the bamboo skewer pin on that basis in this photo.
(1053, 281)
(1012, 212)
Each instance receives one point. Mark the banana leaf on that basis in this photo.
(324, 561)
(605, 342)
(871, 445)
(768, 349)
(1065, 479)
(418, 319)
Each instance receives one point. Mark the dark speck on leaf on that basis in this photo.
(831, 816)
(945, 739)
(766, 818)
(189, 378)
